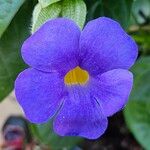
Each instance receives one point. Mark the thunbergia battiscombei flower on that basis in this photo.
(77, 77)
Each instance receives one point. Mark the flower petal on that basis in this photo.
(39, 94)
(105, 46)
(54, 47)
(112, 90)
(80, 115)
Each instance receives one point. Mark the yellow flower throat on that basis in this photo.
(76, 76)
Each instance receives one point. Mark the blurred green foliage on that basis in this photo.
(7, 11)
(45, 135)
(137, 111)
(17, 23)
(119, 10)
(10, 43)
(141, 11)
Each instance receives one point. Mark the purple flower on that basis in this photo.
(78, 77)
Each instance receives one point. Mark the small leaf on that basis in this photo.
(137, 111)
(44, 134)
(41, 15)
(8, 8)
(10, 43)
(72, 9)
(75, 10)
(45, 3)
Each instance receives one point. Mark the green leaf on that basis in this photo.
(44, 134)
(8, 8)
(41, 15)
(141, 67)
(141, 86)
(137, 116)
(72, 9)
(75, 10)
(10, 43)
(119, 10)
(143, 39)
(137, 111)
(45, 3)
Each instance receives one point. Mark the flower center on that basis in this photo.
(76, 76)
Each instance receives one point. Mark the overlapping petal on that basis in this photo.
(80, 115)
(104, 46)
(112, 89)
(54, 47)
(40, 94)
